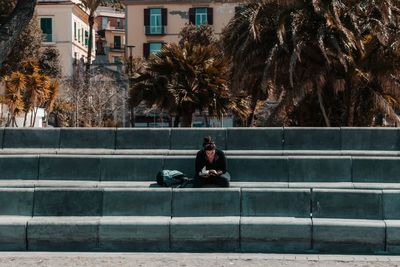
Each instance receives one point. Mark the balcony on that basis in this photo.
(155, 30)
(117, 48)
(48, 38)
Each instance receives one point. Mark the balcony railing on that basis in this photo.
(117, 47)
(155, 30)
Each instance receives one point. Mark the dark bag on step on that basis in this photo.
(172, 178)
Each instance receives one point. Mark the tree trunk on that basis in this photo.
(206, 120)
(25, 117)
(90, 43)
(253, 106)
(87, 118)
(15, 24)
(177, 120)
(321, 105)
(187, 119)
(351, 106)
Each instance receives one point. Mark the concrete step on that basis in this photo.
(227, 138)
(183, 152)
(295, 169)
(153, 184)
(280, 202)
(256, 220)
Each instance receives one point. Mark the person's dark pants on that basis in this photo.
(220, 181)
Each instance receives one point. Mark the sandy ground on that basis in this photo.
(190, 259)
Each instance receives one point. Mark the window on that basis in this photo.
(104, 22)
(75, 37)
(155, 48)
(201, 16)
(151, 48)
(118, 23)
(117, 42)
(116, 59)
(79, 35)
(155, 20)
(46, 24)
(86, 38)
(82, 37)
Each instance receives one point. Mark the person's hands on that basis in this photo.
(213, 172)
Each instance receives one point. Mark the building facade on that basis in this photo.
(64, 24)
(110, 38)
(152, 23)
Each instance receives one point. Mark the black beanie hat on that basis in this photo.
(208, 143)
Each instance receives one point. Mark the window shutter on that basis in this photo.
(164, 16)
(192, 16)
(146, 50)
(210, 16)
(147, 17)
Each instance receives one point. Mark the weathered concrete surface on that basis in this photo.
(87, 138)
(19, 167)
(68, 202)
(134, 233)
(276, 202)
(16, 201)
(254, 138)
(311, 138)
(137, 202)
(192, 259)
(31, 138)
(130, 168)
(206, 202)
(212, 234)
(13, 233)
(393, 236)
(61, 167)
(376, 169)
(391, 204)
(275, 234)
(143, 138)
(63, 233)
(193, 138)
(370, 138)
(258, 169)
(348, 236)
(347, 204)
(319, 169)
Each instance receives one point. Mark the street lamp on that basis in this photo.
(130, 74)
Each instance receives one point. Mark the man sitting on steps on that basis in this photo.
(211, 166)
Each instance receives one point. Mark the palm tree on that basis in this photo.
(91, 6)
(14, 85)
(183, 79)
(13, 25)
(325, 53)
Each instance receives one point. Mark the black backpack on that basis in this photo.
(172, 178)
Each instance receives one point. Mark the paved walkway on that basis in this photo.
(190, 259)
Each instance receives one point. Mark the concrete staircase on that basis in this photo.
(293, 190)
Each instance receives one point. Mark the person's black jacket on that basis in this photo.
(219, 163)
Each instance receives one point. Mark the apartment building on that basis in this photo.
(151, 23)
(64, 24)
(110, 38)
